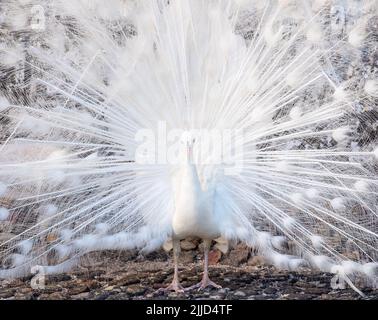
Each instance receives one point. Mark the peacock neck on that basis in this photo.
(191, 181)
(191, 178)
(189, 154)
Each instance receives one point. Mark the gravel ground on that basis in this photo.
(118, 280)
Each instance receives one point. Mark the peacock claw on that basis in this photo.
(203, 284)
(174, 286)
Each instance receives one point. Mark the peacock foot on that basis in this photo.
(174, 286)
(203, 284)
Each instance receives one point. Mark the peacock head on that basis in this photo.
(188, 139)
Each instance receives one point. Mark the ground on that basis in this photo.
(119, 279)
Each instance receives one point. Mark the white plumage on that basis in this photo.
(91, 158)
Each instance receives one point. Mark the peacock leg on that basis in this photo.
(175, 285)
(205, 282)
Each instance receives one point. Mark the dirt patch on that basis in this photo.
(139, 280)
